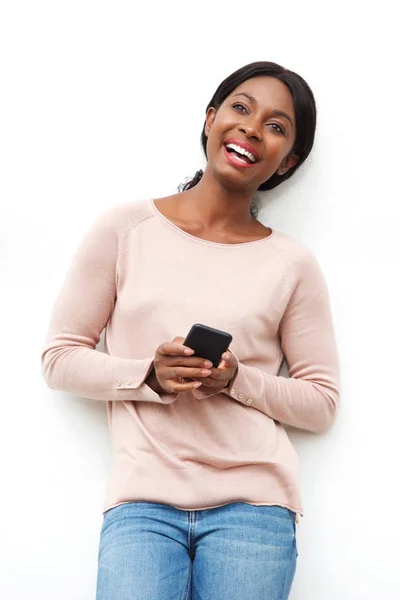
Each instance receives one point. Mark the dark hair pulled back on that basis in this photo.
(304, 109)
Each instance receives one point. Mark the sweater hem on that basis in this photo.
(296, 510)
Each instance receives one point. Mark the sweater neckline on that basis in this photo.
(200, 240)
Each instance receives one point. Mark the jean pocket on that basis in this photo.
(115, 514)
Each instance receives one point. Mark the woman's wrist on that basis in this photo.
(232, 379)
(153, 382)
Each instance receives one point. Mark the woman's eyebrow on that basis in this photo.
(277, 113)
(252, 100)
(280, 113)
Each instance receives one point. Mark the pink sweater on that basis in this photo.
(146, 281)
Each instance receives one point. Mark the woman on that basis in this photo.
(203, 494)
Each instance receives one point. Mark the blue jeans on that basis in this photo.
(238, 551)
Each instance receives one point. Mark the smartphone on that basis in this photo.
(208, 342)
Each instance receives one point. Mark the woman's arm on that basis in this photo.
(69, 359)
(309, 398)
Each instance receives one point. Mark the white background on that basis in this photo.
(103, 102)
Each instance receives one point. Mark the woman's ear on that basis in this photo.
(210, 116)
(290, 161)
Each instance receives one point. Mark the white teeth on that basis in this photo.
(242, 151)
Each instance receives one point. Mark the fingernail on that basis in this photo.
(208, 364)
(205, 372)
(197, 384)
(225, 356)
(188, 351)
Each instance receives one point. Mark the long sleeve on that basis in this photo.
(309, 398)
(141, 280)
(84, 305)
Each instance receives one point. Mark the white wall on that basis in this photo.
(103, 103)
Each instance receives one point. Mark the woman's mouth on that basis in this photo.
(239, 156)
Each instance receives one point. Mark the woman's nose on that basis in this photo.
(251, 130)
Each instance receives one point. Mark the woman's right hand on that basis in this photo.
(173, 365)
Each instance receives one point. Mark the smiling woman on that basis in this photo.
(203, 497)
(283, 89)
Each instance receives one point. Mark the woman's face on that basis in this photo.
(257, 118)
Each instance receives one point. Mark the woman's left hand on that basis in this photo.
(221, 376)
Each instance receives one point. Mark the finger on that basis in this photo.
(187, 361)
(218, 374)
(186, 372)
(170, 348)
(229, 358)
(175, 387)
(217, 377)
(210, 383)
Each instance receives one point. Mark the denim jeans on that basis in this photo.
(237, 551)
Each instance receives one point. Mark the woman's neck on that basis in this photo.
(213, 204)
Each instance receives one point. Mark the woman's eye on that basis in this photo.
(277, 128)
(239, 107)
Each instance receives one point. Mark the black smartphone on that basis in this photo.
(208, 342)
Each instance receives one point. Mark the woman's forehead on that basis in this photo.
(266, 90)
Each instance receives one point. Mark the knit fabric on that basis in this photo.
(147, 281)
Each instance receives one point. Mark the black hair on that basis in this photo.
(304, 109)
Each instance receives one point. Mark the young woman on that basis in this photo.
(203, 495)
